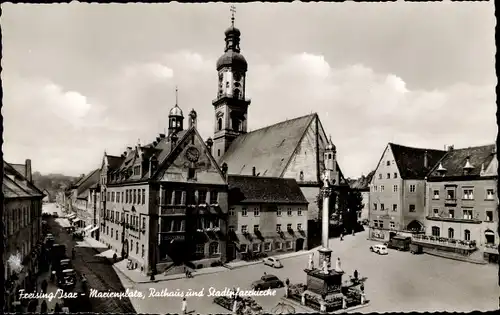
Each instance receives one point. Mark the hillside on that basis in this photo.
(52, 183)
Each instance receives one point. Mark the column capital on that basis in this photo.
(327, 192)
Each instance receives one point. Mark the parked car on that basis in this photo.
(273, 262)
(379, 249)
(67, 278)
(400, 243)
(267, 282)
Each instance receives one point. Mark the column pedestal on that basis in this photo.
(325, 254)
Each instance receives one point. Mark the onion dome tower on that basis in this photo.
(230, 105)
(175, 117)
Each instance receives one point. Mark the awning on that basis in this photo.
(88, 227)
(76, 220)
(72, 216)
(93, 229)
(489, 232)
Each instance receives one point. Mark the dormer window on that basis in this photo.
(137, 170)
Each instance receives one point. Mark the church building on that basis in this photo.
(295, 148)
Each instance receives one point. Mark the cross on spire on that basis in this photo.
(233, 11)
(176, 95)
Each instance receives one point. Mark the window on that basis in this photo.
(113, 196)
(299, 226)
(382, 207)
(299, 212)
(392, 225)
(231, 211)
(489, 216)
(412, 208)
(375, 188)
(213, 248)
(382, 187)
(289, 226)
(374, 206)
(375, 223)
(394, 207)
(379, 176)
(116, 235)
(468, 194)
(278, 246)
(218, 152)
(267, 247)
(436, 231)
(142, 251)
(388, 175)
(278, 212)
(214, 197)
(191, 200)
(219, 124)
(395, 175)
(118, 197)
(143, 196)
(191, 173)
(435, 212)
(111, 232)
(244, 212)
(202, 197)
(451, 213)
(177, 197)
(467, 214)
(256, 247)
(243, 248)
(412, 188)
(489, 194)
(278, 227)
(138, 196)
(143, 223)
(395, 188)
(135, 197)
(256, 212)
(256, 228)
(131, 245)
(467, 235)
(451, 233)
(137, 170)
(289, 212)
(122, 196)
(289, 245)
(435, 194)
(388, 163)
(381, 224)
(244, 229)
(450, 194)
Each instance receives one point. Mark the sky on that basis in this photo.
(82, 79)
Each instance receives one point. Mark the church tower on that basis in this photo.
(330, 160)
(230, 105)
(175, 118)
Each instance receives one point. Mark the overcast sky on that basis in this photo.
(83, 78)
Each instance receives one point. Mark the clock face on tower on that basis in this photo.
(192, 154)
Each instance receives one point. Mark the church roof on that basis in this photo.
(267, 149)
(362, 183)
(256, 189)
(455, 159)
(410, 161)
(15, 184)
(91, 179)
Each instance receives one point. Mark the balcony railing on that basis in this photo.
(443, 241)
(453, 219)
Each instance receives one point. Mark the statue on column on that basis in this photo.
(326, 182)
(338, 266)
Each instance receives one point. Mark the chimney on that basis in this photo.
(253, 171)
(28, 174)
(162, 135)
(450, 148)
(426, 159)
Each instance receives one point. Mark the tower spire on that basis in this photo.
(176, 96)
(233, 11)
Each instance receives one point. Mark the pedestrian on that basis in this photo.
(184, 306)
(43, 307)
(44, 286)
(362, 287)
(341, 236)
(265, 273)
(356, 274)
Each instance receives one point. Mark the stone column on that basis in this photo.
(325, 252)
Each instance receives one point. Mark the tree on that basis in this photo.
(350, 204)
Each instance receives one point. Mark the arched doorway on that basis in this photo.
(231, 251)
(415, 226)
(299, 244)
(489, 235)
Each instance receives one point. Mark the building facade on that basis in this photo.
(397, 191)
(266, 215)
(22, 228)
(462, 201)
(362, 185)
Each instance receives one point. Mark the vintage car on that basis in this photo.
(67, 278)
(379, 249)
(273, 262)
(267, 282)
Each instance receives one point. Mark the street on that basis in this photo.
(396, 282)
(98, 270)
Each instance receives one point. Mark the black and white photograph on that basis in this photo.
(250, 158)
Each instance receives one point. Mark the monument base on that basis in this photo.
(325, 254)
